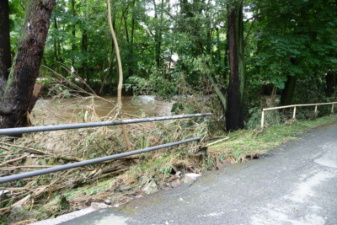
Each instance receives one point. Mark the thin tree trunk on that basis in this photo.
(131, 44)
(120, 73)
(234, 111)
(17, 94)
(56, 52)
(73, 31)
(218, 91)
(125, 18)
(158, 33)
(84, 45)
(84, 48)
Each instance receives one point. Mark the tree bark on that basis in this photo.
(330, 80)
(84, 46)
(5, 46)
(158, 33)
(132, 65)
(120, 75)
(73, 29)
(234, 110)
(17, 93)
(288, 91)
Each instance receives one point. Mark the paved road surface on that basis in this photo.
(295, 184)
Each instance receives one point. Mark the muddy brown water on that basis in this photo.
(48, 111)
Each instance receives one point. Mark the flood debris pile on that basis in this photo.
(111, 182)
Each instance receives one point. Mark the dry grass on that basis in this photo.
(119, 180)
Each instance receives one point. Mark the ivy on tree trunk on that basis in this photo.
(17, 98)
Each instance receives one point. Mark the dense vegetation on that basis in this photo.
(243, 49)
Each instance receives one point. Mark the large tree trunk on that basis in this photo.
(289, 88)
(288, 91)
(234, 110)
(17, 93)
(5, 47)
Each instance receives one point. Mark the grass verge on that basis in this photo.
(249, 144)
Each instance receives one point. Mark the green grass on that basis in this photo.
(254, 142)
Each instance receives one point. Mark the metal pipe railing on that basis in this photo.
(21, 130)
(89, 162)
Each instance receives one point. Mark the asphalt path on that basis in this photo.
(295, 183)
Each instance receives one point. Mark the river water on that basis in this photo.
(48, 111)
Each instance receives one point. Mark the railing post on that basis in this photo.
(294, 113)
(262, 118)
(315, 114)
(332, 108)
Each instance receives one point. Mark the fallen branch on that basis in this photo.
(39, 152)
(4, 211)
(25, 222)
(218, 141)
(113, 173)
(68, 158)
(23, 201)
(6, 149)
(14, 160)
(20, 167)
(22, 147)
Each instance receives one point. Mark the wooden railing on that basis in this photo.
(294, 111)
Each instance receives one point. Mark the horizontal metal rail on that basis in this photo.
(90, 162)
(295, 107)
(298, 105)
(21, 130)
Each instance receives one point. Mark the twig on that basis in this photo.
(216, 142)
(113, 173)
(4, 211)
(13, 160)
(20, 167)
(39, 152)
(22, 201)
(14, 188)
(101, 147)
(30, 150)
(25, 222)
(68, 158)
(6, 149)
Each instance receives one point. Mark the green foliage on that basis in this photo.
(290, 42)
(282, 38)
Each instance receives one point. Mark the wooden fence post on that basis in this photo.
(294, 113)
(332, 108)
